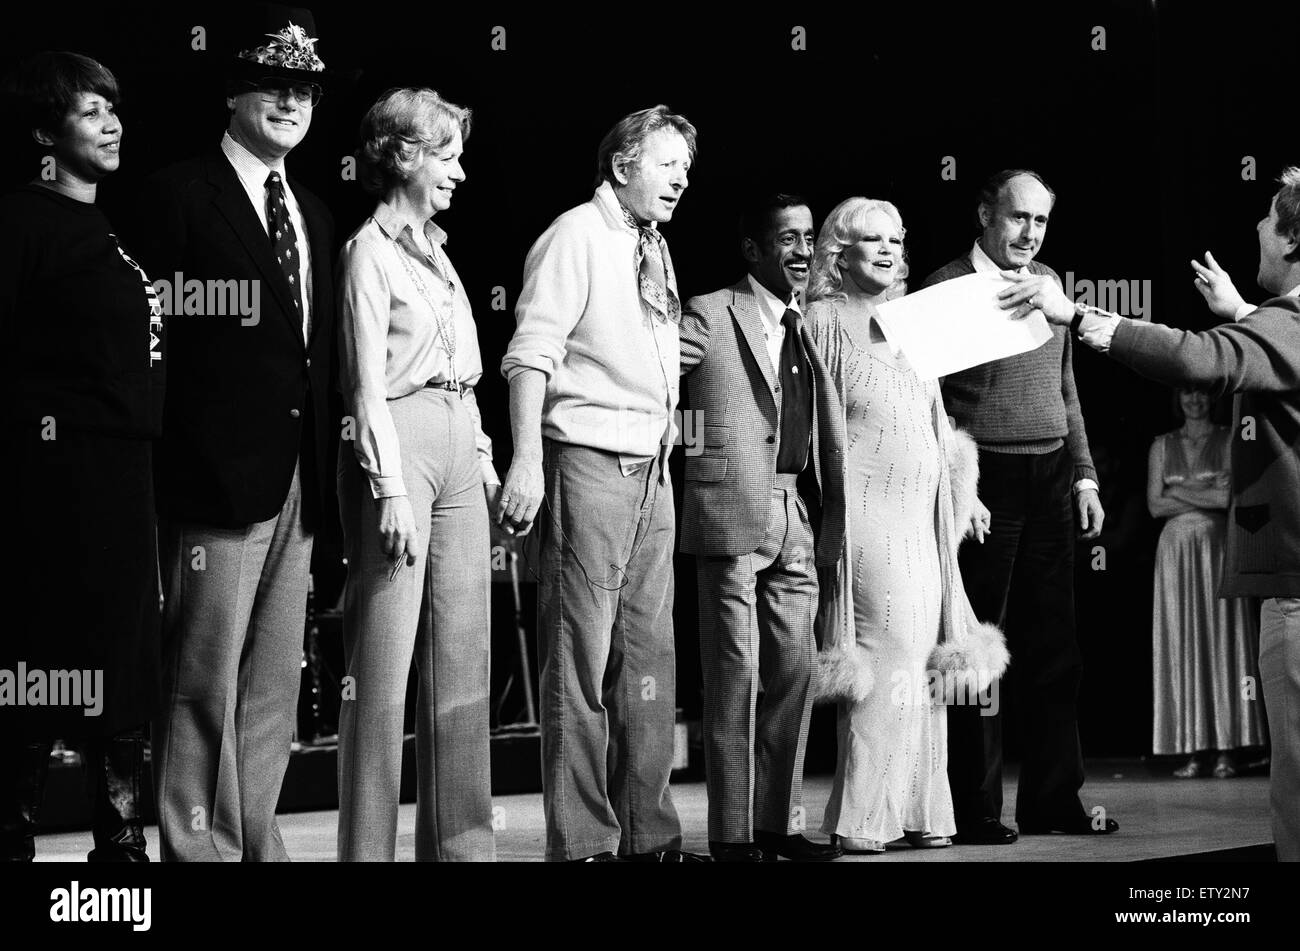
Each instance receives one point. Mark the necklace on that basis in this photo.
(443, 317)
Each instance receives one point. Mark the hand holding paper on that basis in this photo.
(1031, 292)
(959, 324)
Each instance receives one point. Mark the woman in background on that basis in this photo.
(82, 396)
(896, 611)
(1203, 646)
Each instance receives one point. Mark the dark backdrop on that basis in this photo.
(1143, 141)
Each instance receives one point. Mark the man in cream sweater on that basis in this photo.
(593, 371)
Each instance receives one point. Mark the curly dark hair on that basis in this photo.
(39, 92)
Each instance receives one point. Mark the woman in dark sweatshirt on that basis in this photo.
(82, 395)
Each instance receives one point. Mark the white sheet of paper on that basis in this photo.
(958, 324)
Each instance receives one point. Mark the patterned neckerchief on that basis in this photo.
(654, 268)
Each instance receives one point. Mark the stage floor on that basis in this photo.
(1160, 818)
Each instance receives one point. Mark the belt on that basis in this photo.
(450, 386)
(786, 480)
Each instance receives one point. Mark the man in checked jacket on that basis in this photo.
(763, 507)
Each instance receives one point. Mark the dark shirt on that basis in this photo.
(83, 346)
(1258, 359)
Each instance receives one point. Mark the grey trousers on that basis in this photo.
(232, 634)
(1279, 672)
(756, 629)
(437, 610)
(608, 677)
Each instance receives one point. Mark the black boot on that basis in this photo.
(114, 771)
(23, 770)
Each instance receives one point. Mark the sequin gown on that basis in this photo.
(891, 770)
(1203, 647)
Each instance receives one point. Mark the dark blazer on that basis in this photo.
(730, 380)
(1258, 359)
(243, 402)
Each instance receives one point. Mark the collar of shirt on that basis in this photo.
(984, 264)
(252, 171)
(770, 306)
(614, 210)
(1294, 292)
(395, 226)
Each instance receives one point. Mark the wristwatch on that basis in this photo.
(1081, 311)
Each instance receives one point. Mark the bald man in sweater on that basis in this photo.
(1038, 481)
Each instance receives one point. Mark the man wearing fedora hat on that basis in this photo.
(241, 470)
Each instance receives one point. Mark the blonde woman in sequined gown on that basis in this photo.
(891, 779)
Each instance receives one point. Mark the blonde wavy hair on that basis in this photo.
(399, 129)
(845, 226)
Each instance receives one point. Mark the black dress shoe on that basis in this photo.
(735, 852)
(667, 855)
(114, 769)
(794, 847)
(988, 831)
(599, 857)
(1079, 825)
(22, 788)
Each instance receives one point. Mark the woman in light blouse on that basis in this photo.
(415, 486)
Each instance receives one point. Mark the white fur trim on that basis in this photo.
(843, 674)
(964, 474)
(981, 654)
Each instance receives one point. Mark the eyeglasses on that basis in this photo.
(273, 90)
